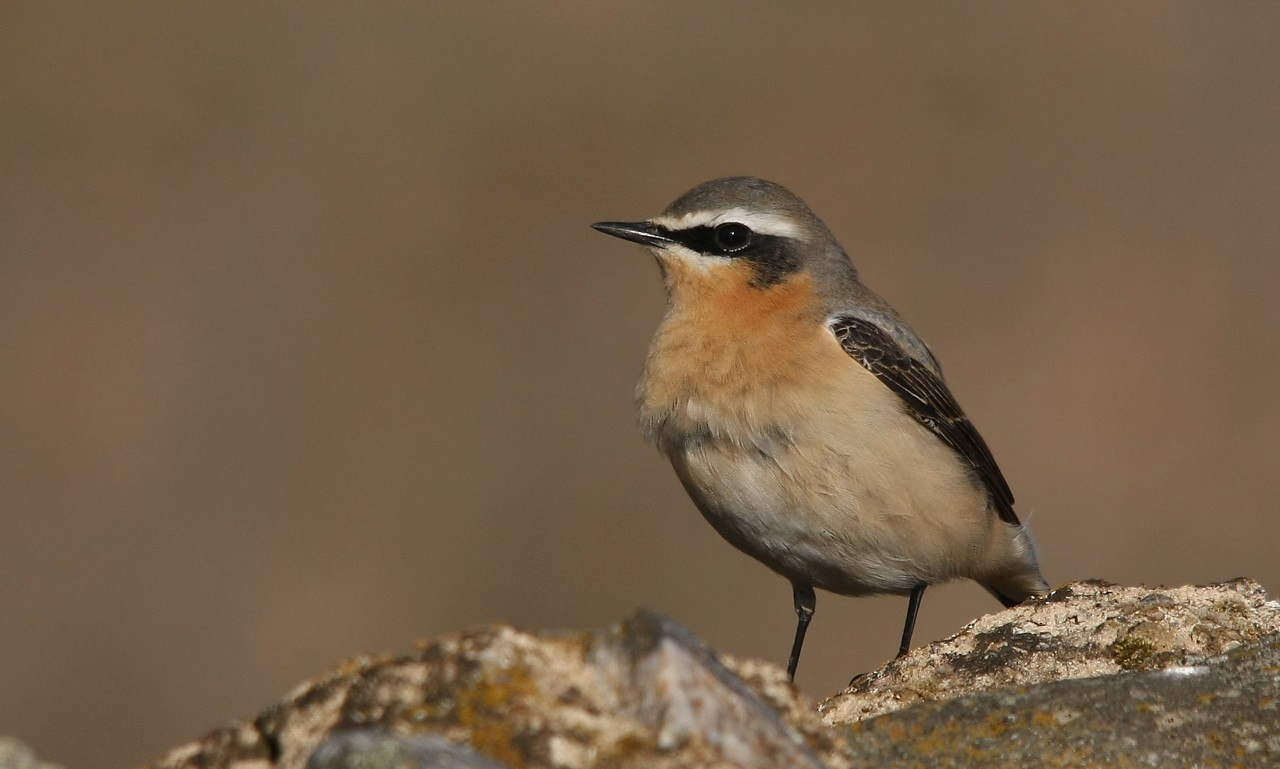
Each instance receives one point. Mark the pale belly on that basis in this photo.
(862, 499)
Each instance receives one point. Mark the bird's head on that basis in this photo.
(738, 230)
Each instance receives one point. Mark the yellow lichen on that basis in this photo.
(484, 709)
(1041, 718)
(1133, 652)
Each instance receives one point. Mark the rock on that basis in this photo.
(1220, 712)
(1094, 675)
(14, 754)
(371, 749)
(645, 693)
(1082, 629)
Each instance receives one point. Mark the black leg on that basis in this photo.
(805, 603)
(913, 607)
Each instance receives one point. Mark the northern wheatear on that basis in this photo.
(809, 424)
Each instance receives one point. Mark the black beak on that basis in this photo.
(644, 233)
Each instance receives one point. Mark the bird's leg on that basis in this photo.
(913, 607)
(805, 602)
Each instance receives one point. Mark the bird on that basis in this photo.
(809, 424)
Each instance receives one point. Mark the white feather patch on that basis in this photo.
(765, 224)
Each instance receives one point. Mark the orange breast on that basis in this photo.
(730, 356)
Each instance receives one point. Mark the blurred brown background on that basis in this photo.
(306, 348)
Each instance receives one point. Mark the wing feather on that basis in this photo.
(926, 398)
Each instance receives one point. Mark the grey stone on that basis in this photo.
(1224, 711)
(369, 749)
(1081, 630)
(14, 754)
(644, 693)
(1094, 675)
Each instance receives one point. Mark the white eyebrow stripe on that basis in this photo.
(765, 224)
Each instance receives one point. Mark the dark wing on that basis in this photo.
(927, 399)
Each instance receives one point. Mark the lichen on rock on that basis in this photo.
(1081, 630)
(1094, 675)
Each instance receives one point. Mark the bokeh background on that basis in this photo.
(307, 350)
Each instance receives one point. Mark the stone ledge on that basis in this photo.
(1076, 668)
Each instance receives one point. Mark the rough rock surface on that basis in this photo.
(1081, 630)
(645, 693)
(1094, 675)
(16, 755)
(1223, 712)
(372, 749)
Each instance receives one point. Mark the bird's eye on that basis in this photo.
(732, 236)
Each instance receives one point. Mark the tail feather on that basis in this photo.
(1015, 573)
(1008, 602)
